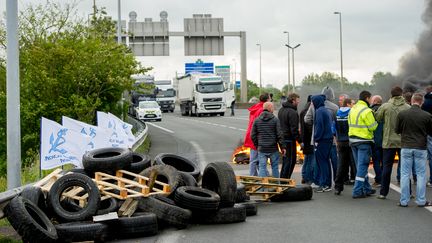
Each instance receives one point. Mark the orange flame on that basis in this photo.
(246, 151)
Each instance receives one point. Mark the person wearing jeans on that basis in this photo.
(266, 135)
(362, 125)
(307, 147)
(414, 125)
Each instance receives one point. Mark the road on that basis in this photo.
(325, 218)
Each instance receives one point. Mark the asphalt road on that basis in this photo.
(325, 218)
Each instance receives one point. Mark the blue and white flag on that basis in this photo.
(99, 136)
(61, 145)
(127, 129)
(116, 135)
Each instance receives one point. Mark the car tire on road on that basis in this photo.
(171, 214)
(141, 224)
(30, 221)
(179, 162)
(234, 214)
(196, 198)
(107, 159)
(220, 178)
(298, 193)
(251, 208)
(82, 231)
(139, 163)
(241, 195)
(74, 180)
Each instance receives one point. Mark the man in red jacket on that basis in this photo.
(254, 112)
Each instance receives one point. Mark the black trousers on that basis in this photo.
(345, 159)
(388, 160)
(289, 160)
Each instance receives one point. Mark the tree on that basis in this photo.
(68, 68)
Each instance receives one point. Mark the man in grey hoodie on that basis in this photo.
(333, 108)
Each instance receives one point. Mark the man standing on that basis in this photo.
(362, 124)
(323, 139)
(391, 142)
(309, 175)
(377, 150)
(414, 125)
(254, 112)
(289, 123)
(427, 106)
(345, 153)
(266, 136)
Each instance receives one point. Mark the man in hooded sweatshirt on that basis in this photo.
(254, 112)
(333, 108)
(289, 122)
(391, 142)
(266, 136)
(323, 139)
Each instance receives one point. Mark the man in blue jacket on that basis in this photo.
(323, 139)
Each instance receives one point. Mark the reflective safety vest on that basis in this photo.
(361, 122)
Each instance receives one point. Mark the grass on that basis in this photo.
(31, 174)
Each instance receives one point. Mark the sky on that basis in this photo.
(375, 34)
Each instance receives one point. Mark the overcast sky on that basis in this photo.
(375, 33)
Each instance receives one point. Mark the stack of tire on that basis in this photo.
(51, 218)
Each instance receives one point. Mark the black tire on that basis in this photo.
(234, 214)
(82, 231)
(139, 225)
(36, 196)
(107, 206)
(82, 171)
(220, 178)
(298, 193)
(68, 181)
(196, 198)
(107, 159)
(180, 163)
(187, 179)
(166, 174)
(30, 221)
(251, 208)
(139, 163)
(171, 214)
(241, 195)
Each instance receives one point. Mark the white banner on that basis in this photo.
(99, 136)
(60, 145)
(117, 136)
(127, 129)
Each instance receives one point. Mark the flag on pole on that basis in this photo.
(60, 145)
(127, 129)
(99, 136)
(117, 136)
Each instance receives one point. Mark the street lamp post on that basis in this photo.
(293, 48)
(340, 42)
(260, 79)
(288, 42)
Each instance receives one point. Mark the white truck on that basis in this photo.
(165, 95)
(200, 93)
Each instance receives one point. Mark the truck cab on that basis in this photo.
(165, 95)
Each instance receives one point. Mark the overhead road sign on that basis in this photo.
(199, 66)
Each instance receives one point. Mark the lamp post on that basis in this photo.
(340, 42)
(260, 79)
(293, 48)
(288, 42)
(235, 72)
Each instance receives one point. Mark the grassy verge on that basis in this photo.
(31, 174)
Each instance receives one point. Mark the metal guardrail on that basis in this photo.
(141, 135)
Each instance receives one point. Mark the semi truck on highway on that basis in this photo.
(165, 95)
(199, 93)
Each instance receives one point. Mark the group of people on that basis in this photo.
(339, 142)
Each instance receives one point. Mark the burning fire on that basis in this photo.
(241, 154)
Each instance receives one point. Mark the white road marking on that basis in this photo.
(238, 118)
(214, 124)
(200, 153)
(162, 128)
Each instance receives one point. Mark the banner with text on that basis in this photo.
(99, 136)
(116, 134)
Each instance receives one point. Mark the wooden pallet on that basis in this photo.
(123, 188)
(265, 187)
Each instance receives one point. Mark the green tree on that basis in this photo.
(68, 68)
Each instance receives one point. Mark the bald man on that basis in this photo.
(266, 135)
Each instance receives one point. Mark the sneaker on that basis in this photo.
(376, 184)
(429, 184)
(314, 186)
(320, 189)
(373, 191)
(401, 205)
(327, 189)
(381, 197)
(427, 204)
(337, 192)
